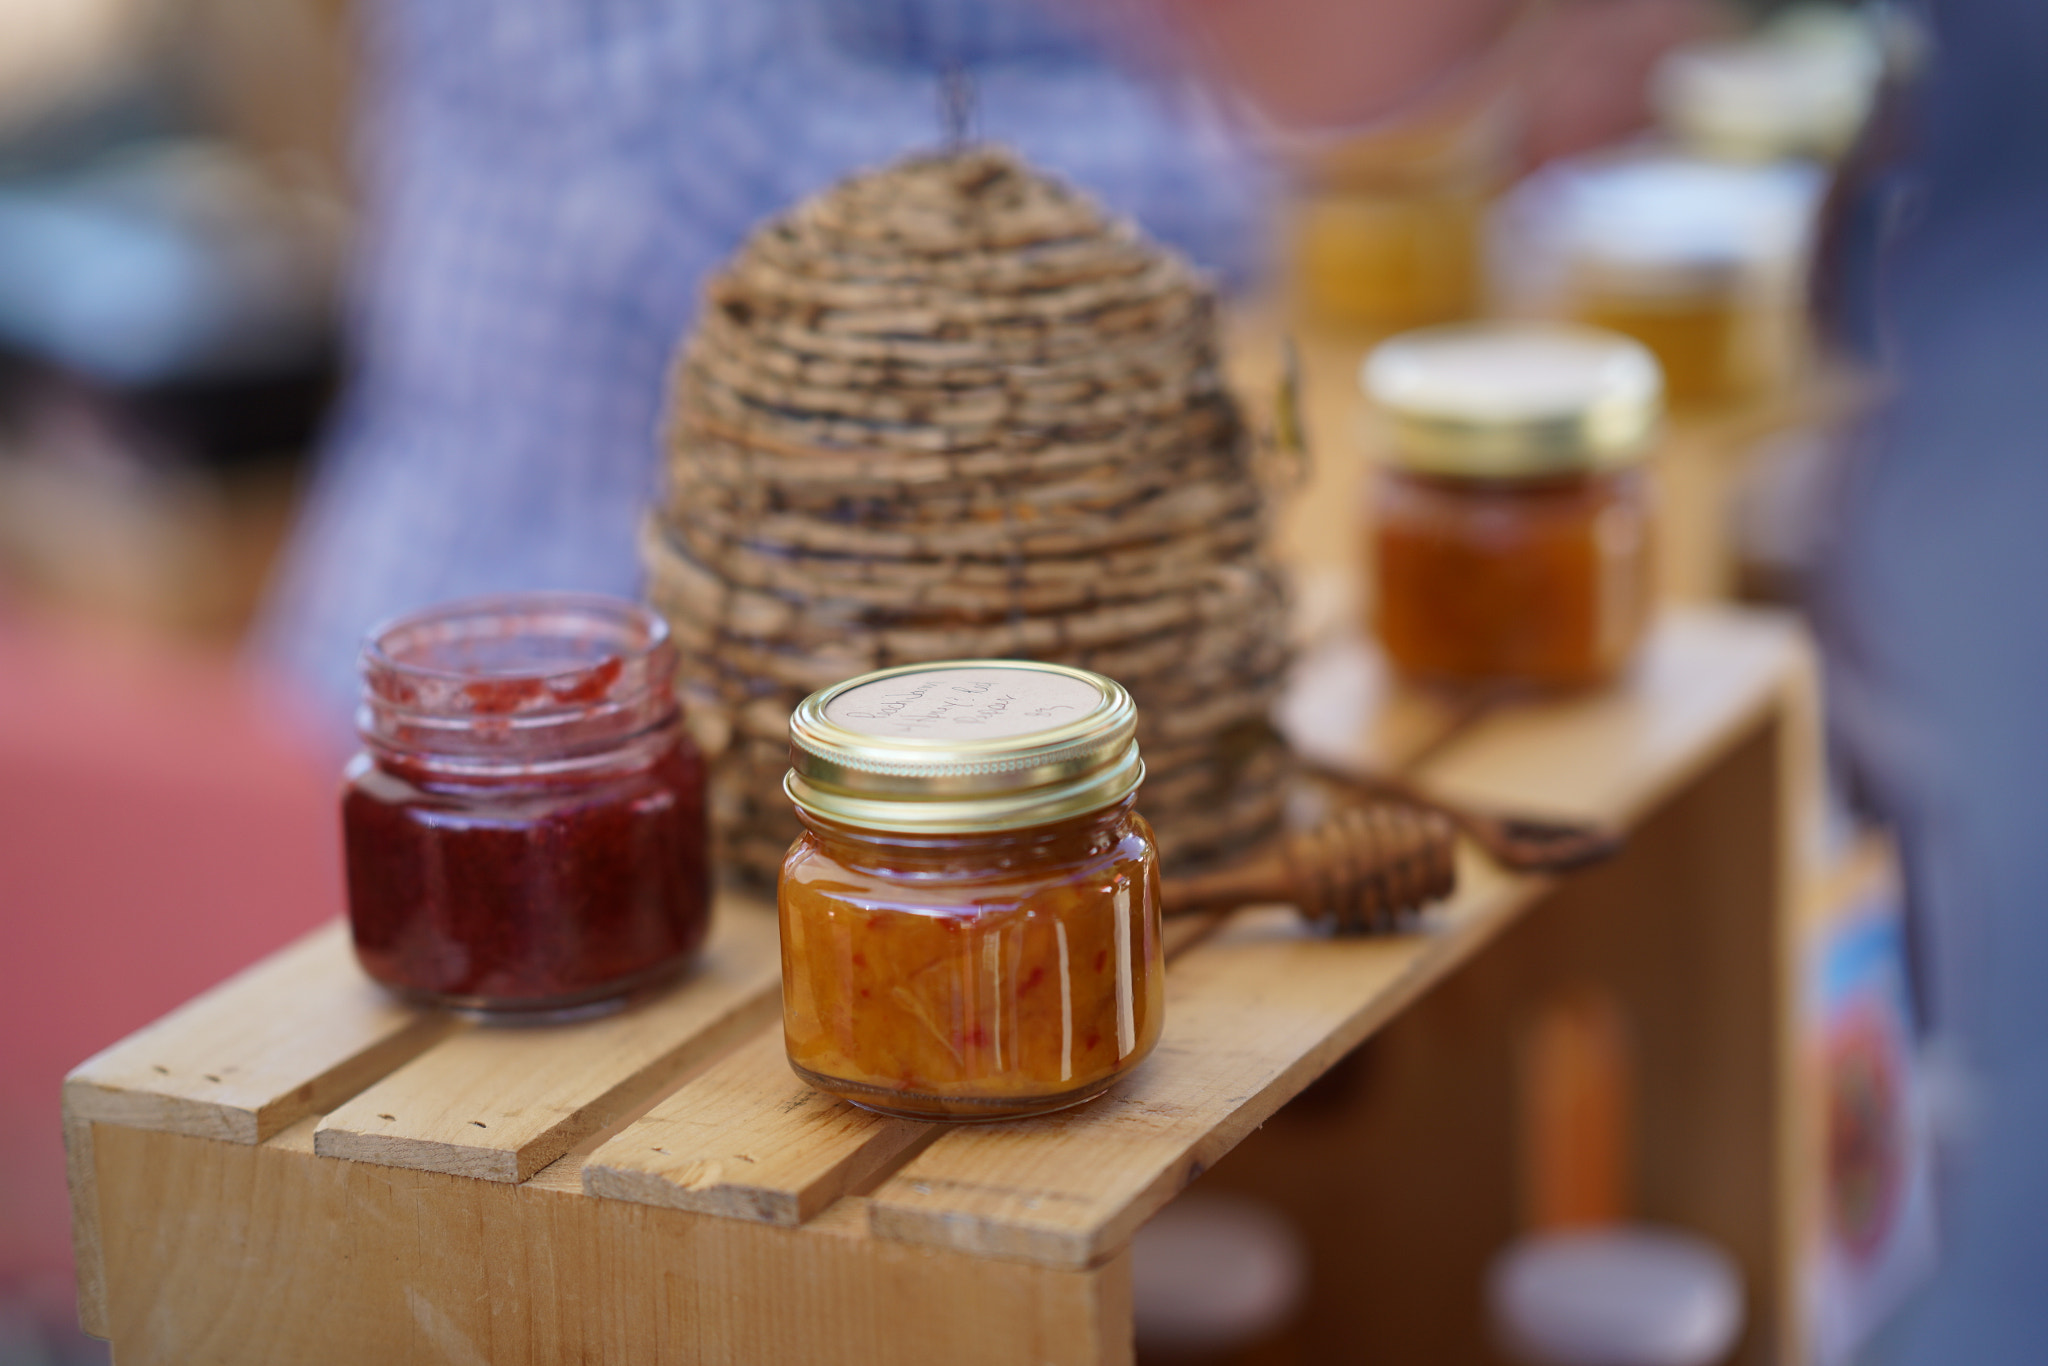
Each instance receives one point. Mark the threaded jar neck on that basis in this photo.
(975, 852)
(518, 683)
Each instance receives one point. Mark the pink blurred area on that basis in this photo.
(161, 826)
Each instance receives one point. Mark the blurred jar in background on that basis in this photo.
(1512, 536)
(1697, 244)
(1702, 262)
(1799, 88)
(1385, 230)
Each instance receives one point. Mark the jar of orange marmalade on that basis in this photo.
(970, 920)
(1511, 540)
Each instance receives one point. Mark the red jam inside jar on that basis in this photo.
(524, 828)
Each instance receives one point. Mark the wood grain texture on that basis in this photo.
(1706, 675)
(293, 1036)
(501, 1103)
(225, 1255)
(82, 1181)
(1342, 707)
(748, 1140)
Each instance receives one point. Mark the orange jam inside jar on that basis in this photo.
(970, 921)
(1512, 519)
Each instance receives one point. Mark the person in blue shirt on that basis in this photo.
(548, 185)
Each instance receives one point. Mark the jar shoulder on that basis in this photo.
(1131, 858)
(397, 785)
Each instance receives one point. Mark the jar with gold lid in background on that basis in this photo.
(970, 921)
(1696, 242)
(1511, 539)
(1702, 262)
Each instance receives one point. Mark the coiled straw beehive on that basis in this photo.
(951, 409)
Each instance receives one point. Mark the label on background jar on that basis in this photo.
(964, 704)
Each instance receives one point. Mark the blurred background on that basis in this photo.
(278, 281)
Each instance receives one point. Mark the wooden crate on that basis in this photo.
(294, 1169)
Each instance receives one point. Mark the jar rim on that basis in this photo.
(610, 629)
(560, 672)
(953, 746)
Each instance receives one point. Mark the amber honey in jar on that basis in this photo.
(970, 920)
(1701, 261)
(1511, 538)
(1385, 229)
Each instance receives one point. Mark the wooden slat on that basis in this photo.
(1256, 1012)
(1343, 709)
(748, 1140)
(1704, 676)
(292, 1036)
(501, 1103)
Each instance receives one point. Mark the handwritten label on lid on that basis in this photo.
(964, 704)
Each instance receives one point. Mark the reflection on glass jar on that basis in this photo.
(524, 828)
(1512, 526)
(970, 922)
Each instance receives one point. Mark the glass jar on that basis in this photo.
(970, 920)
(1512, 518)
(1703, 262)
(1385, 229)
(524, 828)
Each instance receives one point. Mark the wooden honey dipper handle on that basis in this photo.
(1361, 870)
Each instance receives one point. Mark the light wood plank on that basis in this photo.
(255, 1256)
(83, 1183)
(1706, 675)
(293, 1036)
(748, 1140)
(1342, 708)
(501, 1103)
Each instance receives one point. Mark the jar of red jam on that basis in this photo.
(524, 827)
(1512, 515)
(970, 920)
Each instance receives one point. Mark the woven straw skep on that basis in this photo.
(951, 409)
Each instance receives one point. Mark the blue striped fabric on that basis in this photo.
(549, 183)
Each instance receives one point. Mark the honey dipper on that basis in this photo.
(1520, 844)
(1361, 870)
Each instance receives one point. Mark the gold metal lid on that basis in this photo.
(1510, 400)
(963, 745)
